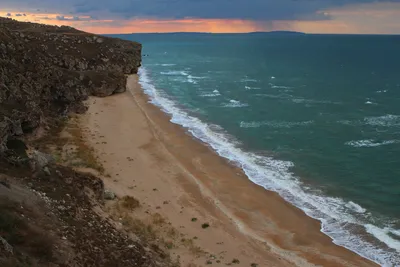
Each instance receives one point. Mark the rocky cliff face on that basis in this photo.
(51, 214)
(47, 71)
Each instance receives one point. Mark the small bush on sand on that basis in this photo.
(130, 202)
(158, 219)
(194, 219)
(205, 225)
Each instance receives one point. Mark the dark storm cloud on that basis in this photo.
(238, 9)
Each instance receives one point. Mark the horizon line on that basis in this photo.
(256, 32)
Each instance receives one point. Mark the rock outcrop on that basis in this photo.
(47, 71)
(51, 214)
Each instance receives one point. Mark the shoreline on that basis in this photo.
(273, 231)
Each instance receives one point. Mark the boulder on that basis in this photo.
(108, 195)
(41, 160)
(5, 246)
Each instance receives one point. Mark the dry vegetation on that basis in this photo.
(24, 237)
(67, 145)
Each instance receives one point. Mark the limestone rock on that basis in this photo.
(46, 171)
(41, 160)
(6, 246)
(108, 195)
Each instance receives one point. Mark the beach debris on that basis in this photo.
(194, 219)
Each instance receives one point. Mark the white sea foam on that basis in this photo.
(384, 236)
(382, 91)
(276, 175)
(280, 96)
(313, 101)
(384, 121)
(235, 104)
(164, 65)
(251, 88)
(245, 80)
(174, 72)
(280, 87)
(189, 78)
(371, 143)
(213, 94)
(355, 207)
(274, 124)
(272, 77)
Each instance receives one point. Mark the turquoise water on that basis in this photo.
(314, 117)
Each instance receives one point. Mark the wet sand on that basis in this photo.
(173, 174)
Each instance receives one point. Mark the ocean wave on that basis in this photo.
(275, 175)
(251, 88)
(382, 91)
(370, 143)
(388, 120)
(245, 80)
(274, 124)
(280, 96)
(213, 94)
(163, 65)
(313, 101)
(355, 207)
(385, 236)
(174, 72)
(280, 86)
(384, 121)
(235, 104)
(189, 78)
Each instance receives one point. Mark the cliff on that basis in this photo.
(47, 71)
(50, 213)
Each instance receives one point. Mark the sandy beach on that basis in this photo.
(198, 194)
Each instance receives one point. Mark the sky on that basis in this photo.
(216, 16)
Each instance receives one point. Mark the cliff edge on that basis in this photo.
(52, 213)
(47, 71)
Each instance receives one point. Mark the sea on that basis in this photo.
(315, 118)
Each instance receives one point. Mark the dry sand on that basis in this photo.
(170, 173)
